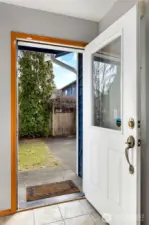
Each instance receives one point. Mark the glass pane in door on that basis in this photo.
(107, 86)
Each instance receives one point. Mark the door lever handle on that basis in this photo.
(130, 144)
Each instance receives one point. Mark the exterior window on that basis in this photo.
(66, 92)
(73, 91)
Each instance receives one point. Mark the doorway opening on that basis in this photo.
(49, 123)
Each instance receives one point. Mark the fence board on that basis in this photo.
(64, 123)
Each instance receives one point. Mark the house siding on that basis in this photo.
(70, 90)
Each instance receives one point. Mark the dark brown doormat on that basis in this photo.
(50, 190)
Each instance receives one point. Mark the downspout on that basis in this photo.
(62, 64)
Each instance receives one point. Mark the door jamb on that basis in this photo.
(34, 38)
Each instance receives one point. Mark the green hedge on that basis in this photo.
(36, 84)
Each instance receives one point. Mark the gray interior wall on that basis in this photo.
(118, 10)
(13, 18)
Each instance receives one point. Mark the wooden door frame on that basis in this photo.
(15, 36)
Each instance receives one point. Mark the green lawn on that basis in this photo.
(35, 155)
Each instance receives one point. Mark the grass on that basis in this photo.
(36, 155)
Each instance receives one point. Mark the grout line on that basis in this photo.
(84, 214)
(81, 216)
(60, 212)
(34, 217)
(48, 223)
(4, 218)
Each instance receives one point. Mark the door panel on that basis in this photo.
(110, 99)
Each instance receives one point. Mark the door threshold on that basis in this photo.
(50, 201)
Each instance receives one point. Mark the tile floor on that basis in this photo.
(71, 213)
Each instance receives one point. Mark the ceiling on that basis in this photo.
(86, 9)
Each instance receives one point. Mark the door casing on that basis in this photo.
(15, 36)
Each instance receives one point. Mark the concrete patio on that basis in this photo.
(65, 150)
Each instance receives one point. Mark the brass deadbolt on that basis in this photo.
(131, 123)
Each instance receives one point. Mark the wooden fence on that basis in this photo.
(64, 123)
(63, 116)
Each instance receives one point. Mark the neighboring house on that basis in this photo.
(69, 89)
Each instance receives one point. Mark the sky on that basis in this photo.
(63, 76)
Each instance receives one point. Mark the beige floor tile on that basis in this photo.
(22, 218)
(58, 223)
(1, 220)
(87, 206)
(47, 215)
(81, 220)
(97, 219)
(71, 209)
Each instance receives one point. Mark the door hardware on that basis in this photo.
(131, 123)
(139, 142)
(130, 144)
(139, 124)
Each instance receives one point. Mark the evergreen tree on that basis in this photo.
(36, 84)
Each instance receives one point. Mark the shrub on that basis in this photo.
(36, 84)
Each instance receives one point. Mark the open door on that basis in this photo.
(111, 121)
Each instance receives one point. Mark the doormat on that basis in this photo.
(50, 190)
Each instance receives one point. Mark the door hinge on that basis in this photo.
(139, 124)
(139, 142)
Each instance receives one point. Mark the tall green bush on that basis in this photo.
(36, 84)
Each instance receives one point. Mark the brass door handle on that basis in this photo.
(130, 144)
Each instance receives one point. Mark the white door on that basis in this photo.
(111, 99)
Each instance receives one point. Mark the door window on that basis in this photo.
(107, 86)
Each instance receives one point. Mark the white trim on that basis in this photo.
(93, 47)
(143, 82)
(107, 56)
(122, 81)
(34, 44)
(141, 100)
